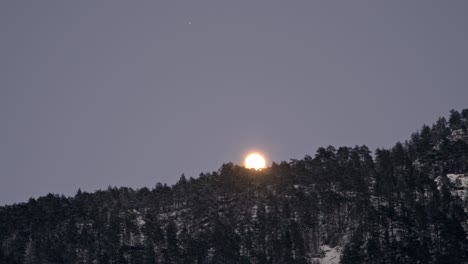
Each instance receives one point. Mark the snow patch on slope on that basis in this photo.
(459, 185)
(139, 221)
(459, 135)
(330, 255)
(458, 180)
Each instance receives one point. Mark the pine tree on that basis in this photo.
(171, 253)
(455, 120)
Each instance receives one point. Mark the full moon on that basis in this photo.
(254, 161)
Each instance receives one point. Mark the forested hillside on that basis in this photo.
(344, 204)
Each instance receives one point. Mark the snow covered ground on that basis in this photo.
(459, 180)
(332, 255)
(459, 183)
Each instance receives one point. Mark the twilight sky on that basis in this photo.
(129, 93)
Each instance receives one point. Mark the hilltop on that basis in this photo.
(344, 205)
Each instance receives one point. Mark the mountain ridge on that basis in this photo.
(344, 205)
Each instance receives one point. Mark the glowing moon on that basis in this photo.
(255, 161)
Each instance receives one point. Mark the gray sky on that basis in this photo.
(129, 93)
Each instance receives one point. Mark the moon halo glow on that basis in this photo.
(255, 161)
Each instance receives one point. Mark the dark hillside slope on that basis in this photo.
(387, 209)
